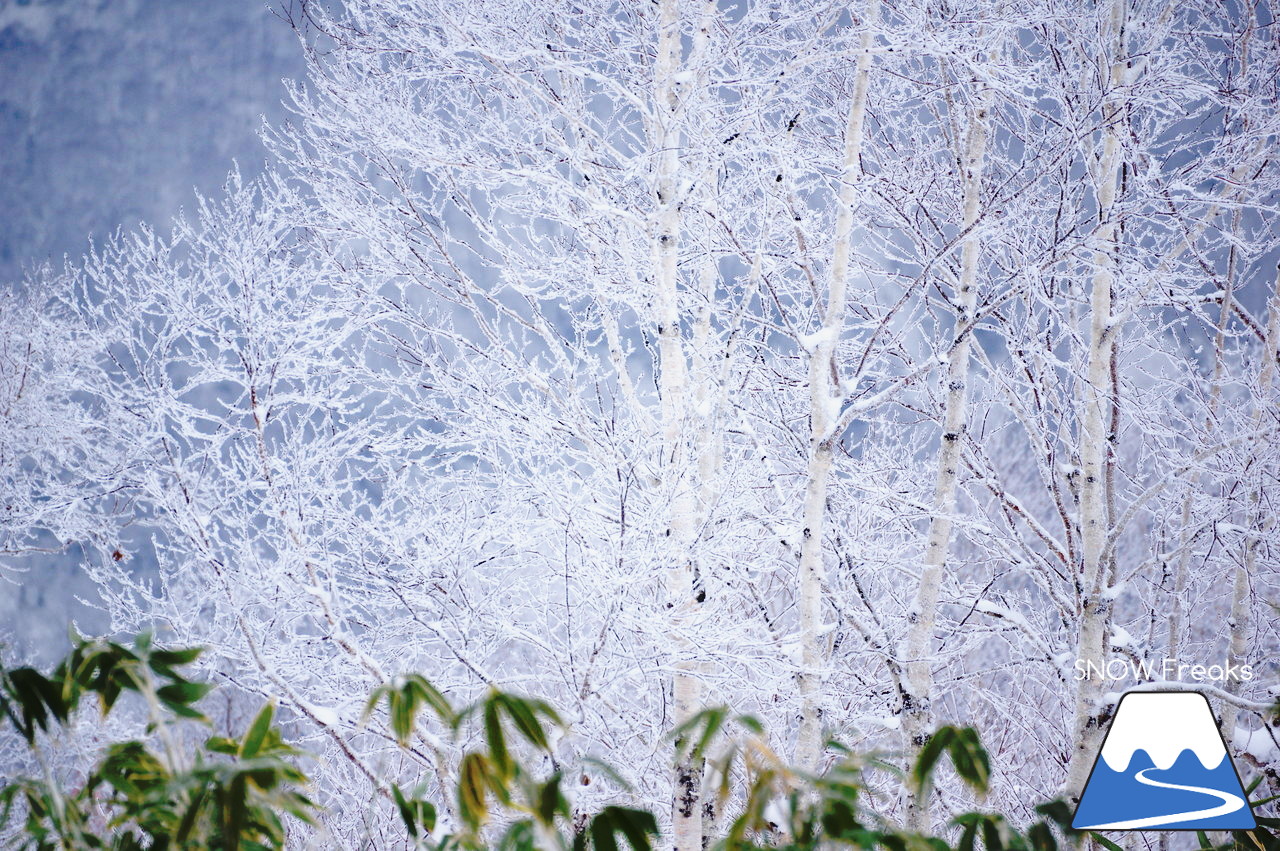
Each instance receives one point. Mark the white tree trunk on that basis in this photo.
(917, 654)
(673, 387)
(1258, 521)
(1094, 607)
(1182, 565)
(824, 400)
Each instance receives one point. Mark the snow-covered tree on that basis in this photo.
(861, 367)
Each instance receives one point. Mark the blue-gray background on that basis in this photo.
(114, 112)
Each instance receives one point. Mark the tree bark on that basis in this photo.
(917, 654)
(1258, 522)
(824, 399)
(1094, 606)
(673, 388)
(1182, 565)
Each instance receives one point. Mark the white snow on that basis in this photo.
(778, 811)
(809, 342)
(834, 403)
(1120, 636)
(989, 608)
(325, 715)
(1259, 743)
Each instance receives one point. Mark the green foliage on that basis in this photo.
(967, 755)
(236, 793)
(232, 794)
(417, 813)
(791, 809)
(30, 700)
(405, 699)
(636, 826)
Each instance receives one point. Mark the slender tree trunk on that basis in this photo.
(824, 400)
(1094, 607)
(1259, 523)
(1182, 565)
(917, 655)
(678, 479)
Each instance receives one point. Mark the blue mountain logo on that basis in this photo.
(1163, 765)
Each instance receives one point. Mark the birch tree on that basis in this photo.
(918, 650)
(825, 400)
(1096, 389)
(837, 365)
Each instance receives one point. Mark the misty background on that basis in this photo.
(112, 113)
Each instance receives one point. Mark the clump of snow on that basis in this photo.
(809, 342)
(989, 608)
(325, 715)
(1260, 743)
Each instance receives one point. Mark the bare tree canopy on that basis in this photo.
(863, 367)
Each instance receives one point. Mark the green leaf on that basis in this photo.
(418, 815)
(927, 760)
(518, 837)
(840, 819)
(636, 826)
(496, 739)
(970, 759)
(1041, 837)
(234, 813)
(178, 698)
(257, 733)
(191, 815)
(222, 745)
(183, 693)
(431, 696)
(405, 697)
(694, 736)
(995, 833)
(29, 699)
(523, 714)
(968, 837)
(175, 657)
(602, 834)
(1104, 842)
(1059, 812)
(550, 801)
(472, 780)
